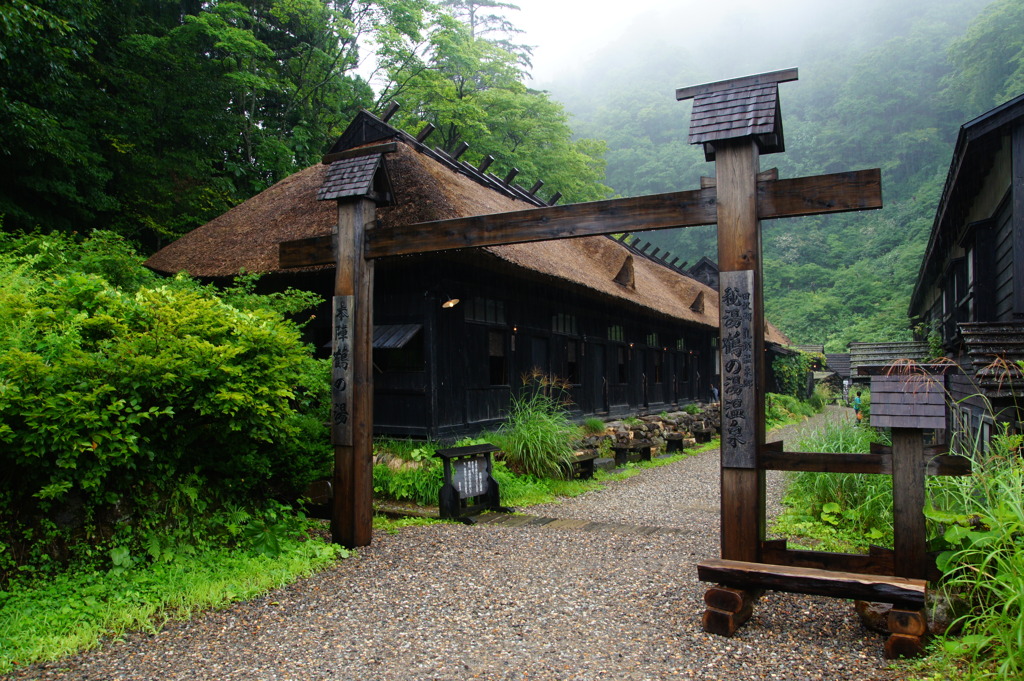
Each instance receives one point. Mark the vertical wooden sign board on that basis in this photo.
(342, 378)
(741, 343)
(352, 378)
(737, 347)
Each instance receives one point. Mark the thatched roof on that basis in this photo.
(247, 237)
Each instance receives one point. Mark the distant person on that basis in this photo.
(714, 392)
(856, 406)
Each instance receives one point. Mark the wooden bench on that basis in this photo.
(582, 466)
(624, 453)
(731, 604)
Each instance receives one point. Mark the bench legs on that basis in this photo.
(727, 609)
(907, 630)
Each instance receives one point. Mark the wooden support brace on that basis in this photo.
(727, 609)
(902, 645)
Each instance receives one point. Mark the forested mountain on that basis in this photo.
(882, 84)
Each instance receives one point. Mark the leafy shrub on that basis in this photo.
(113, 394)
(792, 371)
(784, 408)
(594, 426)
(691, 409)
(983, 516)
(419, 483)
(536, 438)
(821, 397)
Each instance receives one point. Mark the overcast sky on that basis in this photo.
(567, 33)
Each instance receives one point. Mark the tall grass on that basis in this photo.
(537, 437)
(842, 511)
(984, 518)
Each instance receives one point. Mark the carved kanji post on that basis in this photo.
(352, 377)
(741, 343)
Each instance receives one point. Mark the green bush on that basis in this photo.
(785, 408)
(792, 371)
(594, 426)
(116, 387)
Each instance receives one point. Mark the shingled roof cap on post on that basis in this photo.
(737, 108)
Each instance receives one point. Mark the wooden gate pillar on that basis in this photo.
(352, 377)
(742, 347)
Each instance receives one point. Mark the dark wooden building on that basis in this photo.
(970, 289)
(627, 331)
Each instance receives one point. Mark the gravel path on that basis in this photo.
(491, 602)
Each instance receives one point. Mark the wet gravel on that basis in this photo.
(492, 602)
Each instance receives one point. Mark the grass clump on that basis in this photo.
(537, 437)
(983, 520)
(594, 426)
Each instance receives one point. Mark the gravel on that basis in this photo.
(492, 602)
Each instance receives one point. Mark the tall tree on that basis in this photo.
(471, 90)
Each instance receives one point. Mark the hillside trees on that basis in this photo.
(471, 89)
(891, 95)
(152, 118)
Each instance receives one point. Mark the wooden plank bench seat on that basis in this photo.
(904, 593)
(582, 466)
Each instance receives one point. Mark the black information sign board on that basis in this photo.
(469, 488)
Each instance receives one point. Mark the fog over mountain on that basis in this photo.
(882, 84)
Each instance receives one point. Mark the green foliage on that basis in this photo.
(821, 397)
(74, 611)
(419, 483)
(792, 372)
(151, 400)
(469, 86)
(839, 511)
(983, 520)
(691, 409)
(781, 409)
(151, 118)
(594, 426)
(536, 438)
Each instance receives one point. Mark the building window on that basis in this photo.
(572, 362)
(623, 364)
(615, 333)
(485, 311)
(497, 359)
(564, 323)
(652, 340)
(681, 344)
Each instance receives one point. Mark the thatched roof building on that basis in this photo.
(594, 276)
